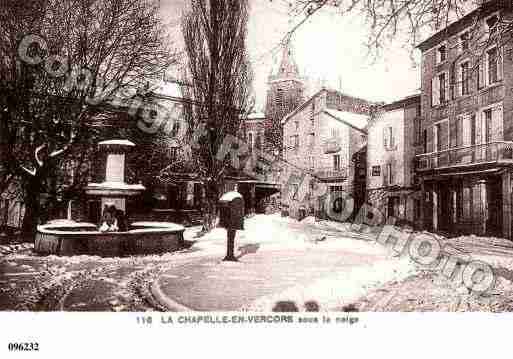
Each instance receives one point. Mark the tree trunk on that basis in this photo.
(32, 206)
(210, 206)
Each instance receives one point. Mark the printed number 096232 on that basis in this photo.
(23, 347)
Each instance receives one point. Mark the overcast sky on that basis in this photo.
(329, 49)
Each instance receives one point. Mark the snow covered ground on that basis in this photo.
(272, 247)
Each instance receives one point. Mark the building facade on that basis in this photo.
(320, 138)
(464, 163)
(392, 140)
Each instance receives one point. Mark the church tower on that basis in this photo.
(285, 92)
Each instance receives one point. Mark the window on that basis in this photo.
(336, 162)
(439, 89)
(493, 66)
(259, 142)
(491, 23)
(376, 171)
(173, 151)
(390, 174)
(311, 162)
(417, 130)
(488, 125)
(442, 81)
(480, 76)
(437, 134)
(296, 124)
(417, 205)
(311, 140)
(464, 41)
(295, 190)
(441, 54)
(424, 141)
(335, 132)
(279, 97)
(388, 138)
(336, 189)
(458, 142)
(467, 206)
(250, 141)
(465, 74)
(294, 142)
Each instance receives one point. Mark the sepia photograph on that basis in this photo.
(288, 162)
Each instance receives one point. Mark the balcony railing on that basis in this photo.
(468, 155)
(331, 173)
(332, 145)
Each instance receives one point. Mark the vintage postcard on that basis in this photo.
(248, 164)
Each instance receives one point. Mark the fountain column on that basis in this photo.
(114, 190)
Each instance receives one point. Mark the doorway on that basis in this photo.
(393, 207)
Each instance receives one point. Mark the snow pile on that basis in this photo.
(332, 225)
(117, 142)
(481, 241)
(309, 220)
(339, 289)
(274, 232)
(230, 196)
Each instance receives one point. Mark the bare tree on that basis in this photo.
(220, 75)
(61, 62)
(388, 20)
(413, 20)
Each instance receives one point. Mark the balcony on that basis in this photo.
(331, 174)
(498, 152)
(332, 145)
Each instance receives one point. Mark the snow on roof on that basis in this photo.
(353, 119)
(169, 88)
(230, 196)
(116, 186)
(117, 142)
(255, 116)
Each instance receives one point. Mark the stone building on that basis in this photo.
(393, 134)
(285, 92)
(254, 130)
(464, 162)
(320, 138)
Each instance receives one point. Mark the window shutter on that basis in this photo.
(445, 135)
(481, 74)
(447, 86)
(435, 91)
(392, 139)
(392, 172)
(453, 132)
(459, 134)
(458, 81)
(497, 125)
(430, 134)
(466, 130)
(385, 175)
(478, 128)
(385, 138)
(436, 138)
(500, 62)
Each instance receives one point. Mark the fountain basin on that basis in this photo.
(67, 239)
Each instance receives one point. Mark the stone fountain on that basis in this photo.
(114, 190)
(85, 238)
